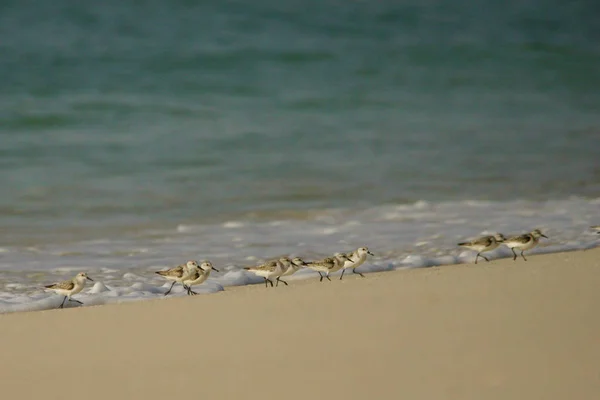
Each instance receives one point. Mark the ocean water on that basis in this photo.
(136, 136)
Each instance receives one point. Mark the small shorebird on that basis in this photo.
(292, 266)
(199, 276)
(357, 258)
(483, 244)
(179, 274)
(328, 265)
(524, 242)
(596, 228)
(269, 270)
(70, 287)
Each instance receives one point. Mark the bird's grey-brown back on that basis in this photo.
(326, 263)
(524, 238)
(534, 235)
(484, 241)
(268, 266)
(64, 285)
(176, 272)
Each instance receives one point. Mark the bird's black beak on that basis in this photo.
(369, 252)
(214, 269)
(89, 279)
(544, 236)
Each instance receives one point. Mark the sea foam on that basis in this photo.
(418, 235)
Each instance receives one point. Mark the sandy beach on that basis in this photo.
(498, 330)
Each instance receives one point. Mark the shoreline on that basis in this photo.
(140, 284)
(502, 329)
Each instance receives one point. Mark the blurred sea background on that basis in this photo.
(142, 134)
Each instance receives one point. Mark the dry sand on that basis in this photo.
(498, 330)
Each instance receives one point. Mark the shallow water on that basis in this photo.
(136, 136)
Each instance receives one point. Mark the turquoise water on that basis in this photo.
(121, 125)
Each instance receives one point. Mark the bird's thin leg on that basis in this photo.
(169, 291)
(344, 270)
(271, 282)
(76, 301)
(476, 257)
(321, 275)
(515, 254)
(63, 303)
(327, 276)
(484, 257)
(354, 272)
(266, 284)
(523, 255)
(282, 281)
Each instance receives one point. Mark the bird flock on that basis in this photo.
(191, 273)
(522, 242)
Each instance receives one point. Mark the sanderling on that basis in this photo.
(328, 265)
(524, 242)
(272, 269)
(70, 287)
(179, 274)
(596, 228)
(483, 244)
(292, 266)
(357, 258)
(199, 276)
